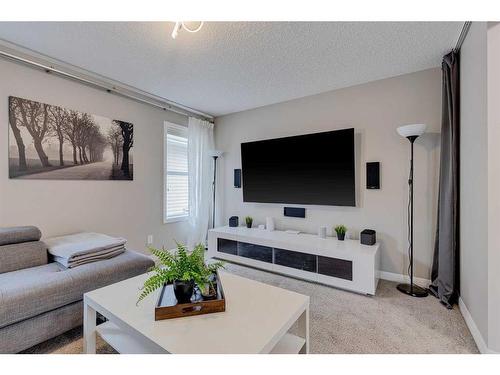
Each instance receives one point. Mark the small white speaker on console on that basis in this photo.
(269, 224)
(322, 232)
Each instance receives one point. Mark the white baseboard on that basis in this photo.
(476, 334)
(400, 278)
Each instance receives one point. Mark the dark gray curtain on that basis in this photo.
(445, 268)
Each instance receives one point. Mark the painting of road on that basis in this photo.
(48, 142)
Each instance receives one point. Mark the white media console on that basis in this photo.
(342, 264)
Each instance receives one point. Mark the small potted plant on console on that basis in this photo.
(183, 269)
(340, 230)
(249, 221)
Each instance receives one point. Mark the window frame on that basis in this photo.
(174, 219)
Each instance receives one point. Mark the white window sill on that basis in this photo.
(175, 219)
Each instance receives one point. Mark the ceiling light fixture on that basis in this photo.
(182, 25)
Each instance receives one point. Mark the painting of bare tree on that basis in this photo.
(54, 143)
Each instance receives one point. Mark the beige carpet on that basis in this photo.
(344, 322)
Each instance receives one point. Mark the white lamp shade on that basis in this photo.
(215, 153)
(412, 130)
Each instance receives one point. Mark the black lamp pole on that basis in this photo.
(213, 186)
(412, 289)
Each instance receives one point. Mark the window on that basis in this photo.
(176, 173)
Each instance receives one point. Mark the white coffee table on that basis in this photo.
(257, 319)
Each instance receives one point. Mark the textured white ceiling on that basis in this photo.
(233, 66)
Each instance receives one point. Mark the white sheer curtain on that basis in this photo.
(200, 142)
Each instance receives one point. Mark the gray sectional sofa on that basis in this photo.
(40, 299)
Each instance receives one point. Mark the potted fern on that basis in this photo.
(249, 221)
(340, 230)
(183, 269)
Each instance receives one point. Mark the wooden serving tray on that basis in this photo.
(168, 308)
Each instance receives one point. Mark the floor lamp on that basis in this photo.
(411, 132)
(215, 154)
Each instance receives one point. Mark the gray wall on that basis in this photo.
(474, 177)
(375, 110)
(132, 209)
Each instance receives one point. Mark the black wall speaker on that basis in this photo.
(373, 175)
(294, 212)
(237, 178)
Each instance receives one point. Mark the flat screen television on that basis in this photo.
(316, 169)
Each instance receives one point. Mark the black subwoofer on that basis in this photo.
(368, 237)
(233, 221)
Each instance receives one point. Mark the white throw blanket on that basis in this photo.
(81, 248)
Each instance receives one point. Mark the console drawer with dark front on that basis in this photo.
(227, 246)
(335, 267)
(257, 252)
(294, 259)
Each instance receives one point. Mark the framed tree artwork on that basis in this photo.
(54, 143)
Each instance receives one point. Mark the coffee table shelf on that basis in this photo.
(125, 343)
(289, 344)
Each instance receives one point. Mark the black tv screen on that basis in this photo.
(306, 169)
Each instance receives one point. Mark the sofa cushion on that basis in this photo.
(32, 291)
(17, 256)
(10, 235)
